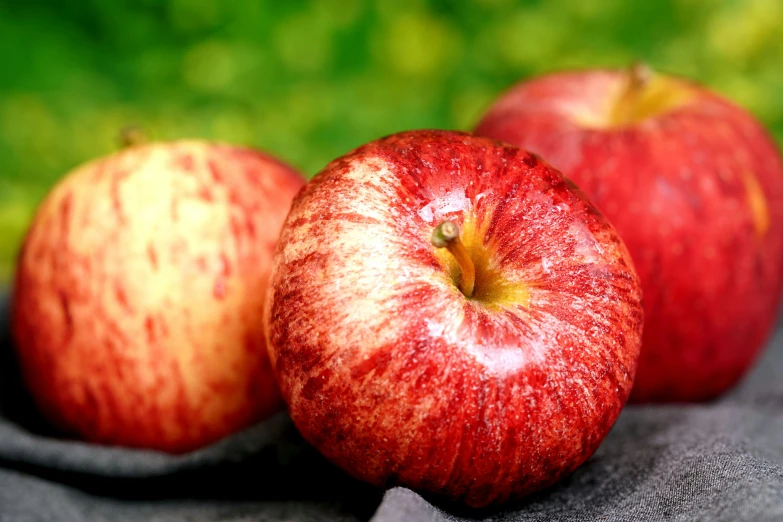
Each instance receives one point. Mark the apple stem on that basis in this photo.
(639, 75)
(131, 136)
(446, 235)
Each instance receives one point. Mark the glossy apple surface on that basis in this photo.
(137, 307)
(694, 185)
(396, 376)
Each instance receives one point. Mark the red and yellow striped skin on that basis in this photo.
(138, 296)
(400, 379)
(696, 192)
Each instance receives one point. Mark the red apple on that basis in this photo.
(694, 185)
(137, 308)
(397, 376)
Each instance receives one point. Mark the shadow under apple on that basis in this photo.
(266, 462)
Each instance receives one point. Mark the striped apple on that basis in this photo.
(137, 305)
(449, 314)
(694, 185)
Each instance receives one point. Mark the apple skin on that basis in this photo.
(397, 377)
(697, 196)
(137, 304)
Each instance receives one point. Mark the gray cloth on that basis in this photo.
(719, 461)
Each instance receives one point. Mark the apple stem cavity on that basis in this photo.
(446, 235)
(132, 136)
(624, 111)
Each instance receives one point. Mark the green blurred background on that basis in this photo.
(309, 80)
